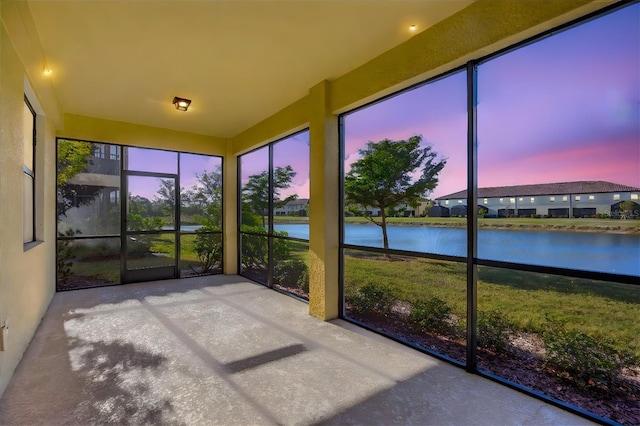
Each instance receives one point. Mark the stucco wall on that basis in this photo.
(27, 278)
(109, 131)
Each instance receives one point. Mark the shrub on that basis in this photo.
(585, 360)
(208, 248)
(63, 260)
(494, 330)
(102, 249)
(65, 254)
(433, 314)
(292, 273)
(371, 298)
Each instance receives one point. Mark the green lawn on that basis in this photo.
(299, 250)
(103, 263)
(604, 309)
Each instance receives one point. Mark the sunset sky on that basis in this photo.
(566, 108)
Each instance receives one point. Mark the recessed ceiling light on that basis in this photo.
(47, 71)
(413, 28)
(181, 104)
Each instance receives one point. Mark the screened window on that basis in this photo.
(395, 261)
(274, 218)
(125, 214)
(528, 284)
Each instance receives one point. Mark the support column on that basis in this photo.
(230, 210)
(323, 205)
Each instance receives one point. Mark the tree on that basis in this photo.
(383, 177)
(73, 157)
(627, 208)
(256, 191)
(141, 218)
(352, 210)
(207, 195)
(203, 204)
(165, 197)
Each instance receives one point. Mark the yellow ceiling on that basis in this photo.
(240, 61)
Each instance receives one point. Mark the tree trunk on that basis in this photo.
(385, 239)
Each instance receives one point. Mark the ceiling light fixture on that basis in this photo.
(413, 28)
(47, 71)
(181, 104)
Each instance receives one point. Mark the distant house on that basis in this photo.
(402, 209)
(563, 199)
(298, 207)
(439, 211)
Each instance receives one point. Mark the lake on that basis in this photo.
(600, 252)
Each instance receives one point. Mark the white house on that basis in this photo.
(298, 207)
(563, 199)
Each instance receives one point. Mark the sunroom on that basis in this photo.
(221, 142)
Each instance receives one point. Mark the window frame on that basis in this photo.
(270, 233)
(178, 232)
(32, 175)
(471, 259)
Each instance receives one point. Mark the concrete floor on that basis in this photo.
(222, 350)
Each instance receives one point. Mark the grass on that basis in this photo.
(299, 250)
(290, 219)
(104, 263)
(597, 308)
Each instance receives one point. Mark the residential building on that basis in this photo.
(562, 199)
(298, 207)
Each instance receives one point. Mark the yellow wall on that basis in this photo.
(27, 278)
(324, 173)
(100, 130)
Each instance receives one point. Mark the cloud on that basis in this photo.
(299, 189)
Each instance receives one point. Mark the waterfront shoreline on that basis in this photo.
(633, 229)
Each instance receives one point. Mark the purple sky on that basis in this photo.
(151, 160)
(563, 109)
(293, 151)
